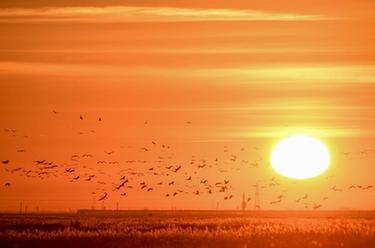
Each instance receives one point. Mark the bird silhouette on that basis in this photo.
(334, 188)
(103, 197)
(316, 206)
(275, 202)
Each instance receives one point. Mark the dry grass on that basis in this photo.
(189, 229)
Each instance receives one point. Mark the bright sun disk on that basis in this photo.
(300, 157)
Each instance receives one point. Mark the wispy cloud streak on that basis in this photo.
(242, 75)
(145, 14)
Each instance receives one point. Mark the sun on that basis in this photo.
(300, 157)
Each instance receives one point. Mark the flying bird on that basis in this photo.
(103, 197)
(315, 207)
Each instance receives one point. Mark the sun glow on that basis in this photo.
(300, 157)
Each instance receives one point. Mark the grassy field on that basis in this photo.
(190, 229)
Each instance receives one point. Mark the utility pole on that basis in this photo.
(244, 204)
(256, 197)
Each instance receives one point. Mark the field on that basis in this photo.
(190, 229)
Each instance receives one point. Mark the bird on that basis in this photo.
(39, 161)
(81, 117)
(315, 207)
(366, 187)
(274, 202)
(121, 185)
(100, 119)
(352, 187)
(177, 169)
(334, 188)
(280, 197)
(5, 161)
(103, 197)
(7, 184)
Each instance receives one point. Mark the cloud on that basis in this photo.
(145, 14)
(322, 132)
(334, 74)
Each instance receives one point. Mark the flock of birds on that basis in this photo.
(156, 169)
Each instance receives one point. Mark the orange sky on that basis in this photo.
(218, 81)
